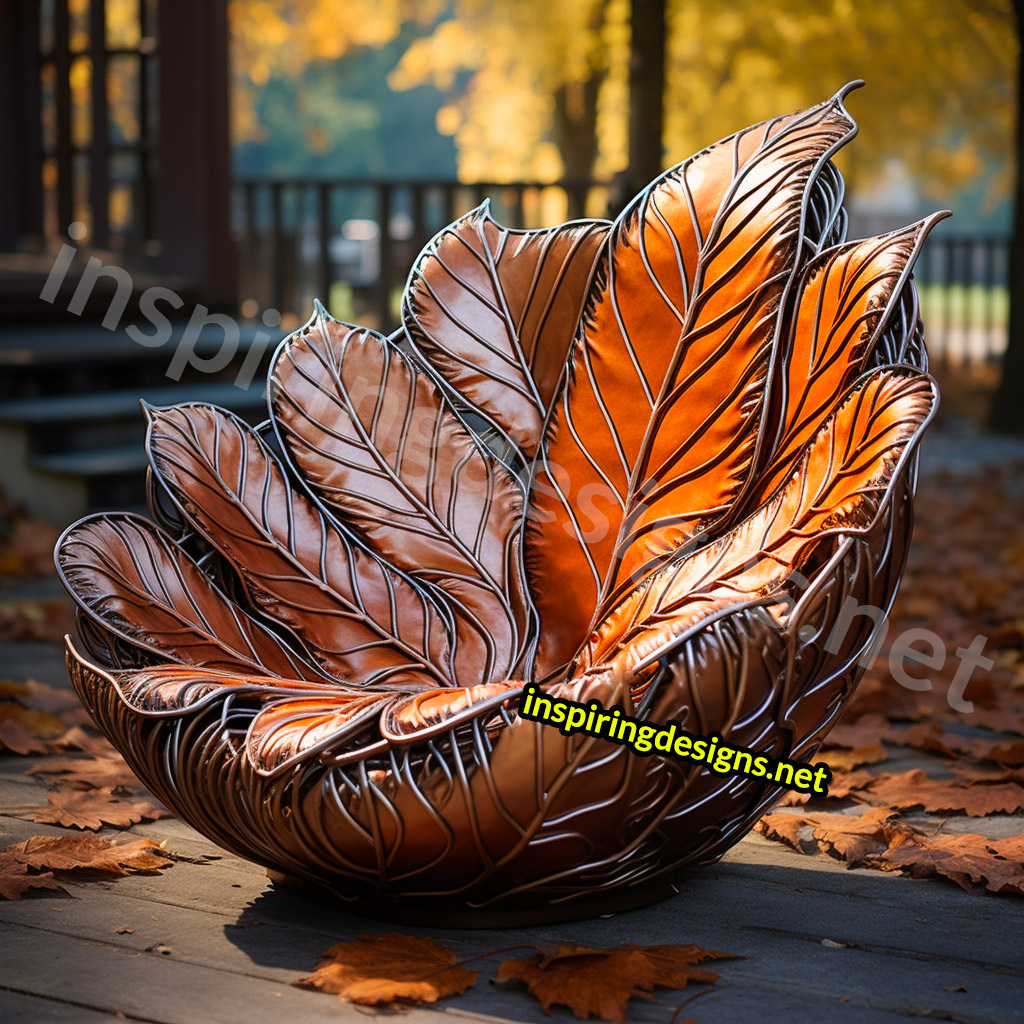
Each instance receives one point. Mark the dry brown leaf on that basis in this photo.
(16, 880)
(94, 808)
(590, 982)
(1009, 717)
(89, 772)
(90, 854)
(916, 789)
(966, 859)
(845, 783)
(78, 739)
(383, 970)
(847, 760)
(600, 983)
(38, 695)
(16, 739)
(38, 723)
(674, 965)
(847, 837)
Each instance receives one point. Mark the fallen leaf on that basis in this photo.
(845, 836)
(90, 772)
(38, 723)
(383, 970)
(15, 879)
(40, 696)
(847, 760)
(16, 739)
(858, 732)
(916, 789)
(94, 808)
(590, 982)
(77, 738)
(845, 783)
(966, 859)
(90, 854)
(125, 931)
(600, 983)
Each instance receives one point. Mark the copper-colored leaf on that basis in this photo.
(599, 983)
(965, 858)
(848, 837)
(382, 970)
(383, 449)
(16, 879)
(127, 575)
(847, 760)
(35, 723)
(92, 809)
(89, 772)
(845, 294)
(38, 695)
(915, 789)
(694, 272)
(845, 783)
(494, 311)
(91, 854)
(839, 486)
(358, 618)
(16, 739)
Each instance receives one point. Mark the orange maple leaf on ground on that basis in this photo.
(89, 772)
(39, 861)
(384, 970)
(965, 859)
(89, 854)
(600, 983)
(847, 760)
(16, 880)
(916, 788)
(878, 839)
(844, 836)
(92, 809)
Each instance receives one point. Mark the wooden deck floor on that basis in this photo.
(235, 943)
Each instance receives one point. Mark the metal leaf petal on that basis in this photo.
(839, 486)
(679, 331)
(846, 298)
(383, 450)
(358, 618)
(494, 312)
(132, 579)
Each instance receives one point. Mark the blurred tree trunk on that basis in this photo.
(648, 32)
(1008, 408)
(575, 126)
(646, 89)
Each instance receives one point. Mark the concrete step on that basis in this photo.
(112, 418)
(64, 456)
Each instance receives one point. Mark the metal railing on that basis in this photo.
(304, 239)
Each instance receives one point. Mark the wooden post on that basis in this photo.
(1008, 407)
(192, 201)
(646, 89)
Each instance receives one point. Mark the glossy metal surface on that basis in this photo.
(697, 444)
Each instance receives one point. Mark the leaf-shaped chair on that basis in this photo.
(660, 462)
